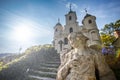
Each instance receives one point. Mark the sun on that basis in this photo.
(22, 33)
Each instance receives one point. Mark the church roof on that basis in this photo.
(71, 11)
(87, 15)
(58, 24)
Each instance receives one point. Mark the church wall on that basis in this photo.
(89, 25)
(74, 26)
(73, 18)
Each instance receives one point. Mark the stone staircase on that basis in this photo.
(46, 70)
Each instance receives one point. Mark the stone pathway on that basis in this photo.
(46, 71)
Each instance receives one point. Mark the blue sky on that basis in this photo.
(40, 16)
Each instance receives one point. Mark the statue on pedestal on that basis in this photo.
(82, 62)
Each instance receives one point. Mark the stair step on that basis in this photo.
(58, 63)
(45, 69)
(48, 68)
(40, 78)
(41, 72)
(50, 65)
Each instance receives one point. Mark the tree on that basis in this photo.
(108, 29)
(107, 39)
(107, 33)
(117, 24)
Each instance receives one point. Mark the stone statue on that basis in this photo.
(83, 63)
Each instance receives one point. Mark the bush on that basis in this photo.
(118, 54)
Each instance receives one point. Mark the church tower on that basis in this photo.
(71, 22)
(58, 29)
(71, 25)
(58, 43)
(90, 29)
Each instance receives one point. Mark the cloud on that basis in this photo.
(73, 5)
(109, 10)
(82, 8)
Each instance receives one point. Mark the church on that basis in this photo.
(88, 28)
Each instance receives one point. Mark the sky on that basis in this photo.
(25, 23)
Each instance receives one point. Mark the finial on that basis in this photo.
(85, 10)
(70, 6)
(58, 20)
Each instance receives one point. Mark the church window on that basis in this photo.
(65, 41)
(60, 42)
(71, 30)
(56, 30)
(70, 18)
(90, 21)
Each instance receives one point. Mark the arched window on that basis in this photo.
(71, 30)
(56, 30)
(70, 18)
(65, 41)
(60, 42)
(89, 21)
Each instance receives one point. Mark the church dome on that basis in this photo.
(71, 11)
(87, 15)
(90, 17)
(58, 24)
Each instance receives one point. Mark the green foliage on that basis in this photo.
(107, 33)
(117, 24)
(107, 39)
(2, 66)
(118, 54)
(34, 49)
(108, 29)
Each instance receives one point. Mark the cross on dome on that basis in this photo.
(58, 20)
(85, 10)
(70, 7)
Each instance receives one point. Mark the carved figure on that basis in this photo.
(83, 63)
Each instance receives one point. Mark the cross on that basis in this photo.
(85, 10)
(58, 20)
(70, 6)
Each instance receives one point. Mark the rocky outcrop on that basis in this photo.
(83, 63)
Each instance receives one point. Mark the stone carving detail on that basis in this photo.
(82, 62)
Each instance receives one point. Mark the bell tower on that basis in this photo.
(71, 16)
(71, 21)
(90, 29)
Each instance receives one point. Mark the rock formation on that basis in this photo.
(82, 62)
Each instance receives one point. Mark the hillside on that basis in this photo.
(38, 63)
(4, 54)
(41, 63)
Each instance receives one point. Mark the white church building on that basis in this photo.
(88, 28)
